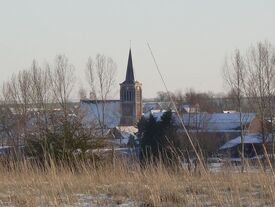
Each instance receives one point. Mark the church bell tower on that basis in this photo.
(130, 97)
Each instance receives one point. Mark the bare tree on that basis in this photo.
(234, 76)
(17, 92)
(35, 108)
(41, 96)
(200, 101)
(40, 85)
(164, 99)
(7, 122)
(62, 81)
(82, 93)
(101, 74)
(261, 70)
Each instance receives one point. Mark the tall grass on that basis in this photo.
(25, 184)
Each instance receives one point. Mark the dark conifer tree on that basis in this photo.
(158, 139)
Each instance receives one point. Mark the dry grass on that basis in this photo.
(111, 185)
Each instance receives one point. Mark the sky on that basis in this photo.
(190, 39)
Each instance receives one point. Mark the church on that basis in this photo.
(127, 111)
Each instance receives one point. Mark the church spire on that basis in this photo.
(130, 71)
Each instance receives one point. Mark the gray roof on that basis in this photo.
(218, 122)
(93, 113)
(215, 122)
(130, 70)
(255, 138)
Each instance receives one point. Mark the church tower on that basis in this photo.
(130, 97)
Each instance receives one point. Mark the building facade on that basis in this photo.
(130, 97)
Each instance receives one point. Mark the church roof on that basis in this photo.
(130, 70)
(94, 114)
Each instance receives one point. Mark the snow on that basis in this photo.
(87, 200)
(255, 138)
(126, 152)
(229, 112)
(127, 129)
(190, 109)
(122, 134)
(217, 122)
(157, 114)
(93, 112)
(214, 122)
(5, 147)
(148, 106)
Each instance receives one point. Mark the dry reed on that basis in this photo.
(25, 184)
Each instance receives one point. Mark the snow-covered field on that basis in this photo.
(78, 200)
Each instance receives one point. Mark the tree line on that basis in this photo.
(36, 110)
(36, 107)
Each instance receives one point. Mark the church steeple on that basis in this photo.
(130, 71)
(130, 97)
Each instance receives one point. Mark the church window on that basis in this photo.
(138, 95)
(130, 96)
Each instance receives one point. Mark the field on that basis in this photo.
(124, 184)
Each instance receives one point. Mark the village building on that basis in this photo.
(117, 119)
(212, 130)
(130, 97)
(112, 113)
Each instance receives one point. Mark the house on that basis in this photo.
(212, 130)
(148, 106)
(252, 145)
(124, 136)
(220, 122)
(213, 122)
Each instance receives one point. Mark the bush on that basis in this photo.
(67, 144)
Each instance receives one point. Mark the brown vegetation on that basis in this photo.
(111, 184)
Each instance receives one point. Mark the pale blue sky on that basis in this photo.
(190, 39)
